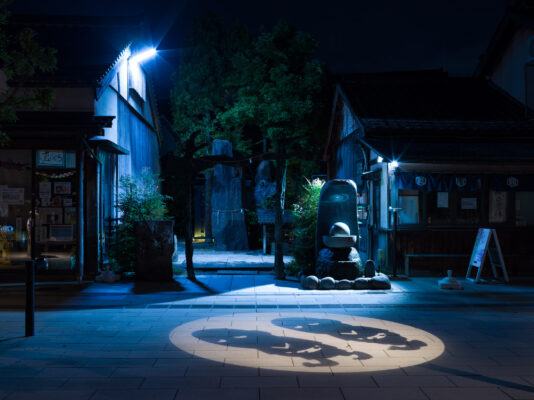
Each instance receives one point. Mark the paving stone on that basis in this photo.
(218, 394)
(258, 381)
(181, 382)
(102, 383)
(465, 393)
(406, 381)
(142, 394)
(351, 380)
(51, 394)
(405, 393)
(300, 394)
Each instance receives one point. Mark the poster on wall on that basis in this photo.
(61, 232)
(50, 158)
(62, 187)
(497, 209)
(69, 215)
(12, 196)
(51, 215)
(443, 200)
(67, 202)
(45, 190)
(468, 203)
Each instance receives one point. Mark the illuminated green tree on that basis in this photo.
(279, 82)
(21, 58)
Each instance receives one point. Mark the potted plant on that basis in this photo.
(144, 240)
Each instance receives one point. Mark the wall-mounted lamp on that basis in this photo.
(144, 55)
(394, 164)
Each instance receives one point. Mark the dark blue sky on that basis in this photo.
(354, 36)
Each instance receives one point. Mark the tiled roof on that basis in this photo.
(427, 96)
(377, 125)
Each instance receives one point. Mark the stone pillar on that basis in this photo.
(228, 218)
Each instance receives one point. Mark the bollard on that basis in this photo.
(30, 298)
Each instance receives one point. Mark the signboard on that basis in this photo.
(12, 196)
(484, 246)
(50, 158)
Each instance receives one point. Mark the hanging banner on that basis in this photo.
(438, 182)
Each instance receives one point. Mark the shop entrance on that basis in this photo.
(54, 178)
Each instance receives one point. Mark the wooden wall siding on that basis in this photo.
(515, 243)
(349, 161)
(139, 140)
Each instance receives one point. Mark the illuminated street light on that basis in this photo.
(144, 55)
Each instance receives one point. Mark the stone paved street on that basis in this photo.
(251, 337)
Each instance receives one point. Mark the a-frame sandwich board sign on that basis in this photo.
(484, 245)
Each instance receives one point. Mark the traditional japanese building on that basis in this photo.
(447, 155)
(103, 124)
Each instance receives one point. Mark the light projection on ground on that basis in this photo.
(306, 342)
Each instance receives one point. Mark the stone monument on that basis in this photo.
(228, 218)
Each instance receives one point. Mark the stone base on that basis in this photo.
(378, 282)
(338, 263)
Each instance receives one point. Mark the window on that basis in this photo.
(409, 204)
(498, 207)
(524, 208)
(438, 208)
(468, 208)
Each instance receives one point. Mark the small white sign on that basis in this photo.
(443, 200)
(469, 203)
(12, 196)
(45, 190)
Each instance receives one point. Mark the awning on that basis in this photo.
(109, 146)
(436, 182)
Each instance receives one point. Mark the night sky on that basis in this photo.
(353, 36)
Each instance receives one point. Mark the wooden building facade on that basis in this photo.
(447, 155)
(68, 160)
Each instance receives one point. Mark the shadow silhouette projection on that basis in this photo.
(343, 331)
(293, 347)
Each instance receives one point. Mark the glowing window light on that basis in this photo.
(379, 159)
(144, 55)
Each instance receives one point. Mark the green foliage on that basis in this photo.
(139, 200)
(277, 81)
(305, 222)
(201, 91)
(21, 58)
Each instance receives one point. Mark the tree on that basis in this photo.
(21, 58)
(277, 82)
(200, 94)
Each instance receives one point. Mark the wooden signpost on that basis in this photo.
(484, 245)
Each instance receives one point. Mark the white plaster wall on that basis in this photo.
(509, 74)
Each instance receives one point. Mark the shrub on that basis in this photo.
(139, 200)
(305, 222)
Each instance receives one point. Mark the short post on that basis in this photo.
(394, 212)
(30, 298)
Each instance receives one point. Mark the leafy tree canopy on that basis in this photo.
(21, 58)
(277, 82)
(201, 91)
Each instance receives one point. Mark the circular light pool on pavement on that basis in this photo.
(306, 342)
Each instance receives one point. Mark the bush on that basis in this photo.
(305, 222)
(139, 200)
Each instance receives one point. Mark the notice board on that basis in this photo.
(484, 245)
